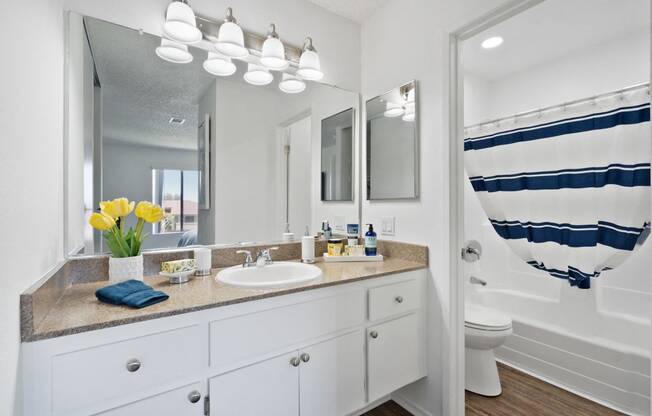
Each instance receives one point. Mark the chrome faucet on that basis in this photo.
(264, 257)
(477, 281)
(248, 261)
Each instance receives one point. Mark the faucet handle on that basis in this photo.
(265, 256)
(248, 259)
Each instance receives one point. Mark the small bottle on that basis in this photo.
(370, 241)
(326, 228)
(308, 248)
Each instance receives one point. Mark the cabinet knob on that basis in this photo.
(133, 365)
(295, 361)
(194, 396)
(373, 334)
(399, 299)
(305, 357)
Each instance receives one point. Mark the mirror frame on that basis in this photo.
(417, 147)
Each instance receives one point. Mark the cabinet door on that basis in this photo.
(269, 388)
(187, 401)
(332, 376)
(393, 355)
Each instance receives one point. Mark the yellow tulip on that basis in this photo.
(119, 207)
(101, 221)
(149, 212)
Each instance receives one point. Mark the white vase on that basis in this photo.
(125, 268)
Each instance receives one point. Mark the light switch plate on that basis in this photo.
(388, 226)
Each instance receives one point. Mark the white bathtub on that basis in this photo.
(602, 355)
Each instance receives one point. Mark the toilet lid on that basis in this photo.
(485, 318)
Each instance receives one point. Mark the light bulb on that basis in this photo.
(230, 38)
(393, 110)
(258, 75)
(218, 64)
(309, 64)
(291, 84)
(174, 52)
(273, 53)
(180, 23)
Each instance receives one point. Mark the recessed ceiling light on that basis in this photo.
(492, 42)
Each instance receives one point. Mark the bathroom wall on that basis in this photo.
(31, 172)
(400, 42)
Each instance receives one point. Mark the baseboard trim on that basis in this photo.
(410, 406)
(371, 405)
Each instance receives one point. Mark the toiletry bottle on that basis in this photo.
(308, 248)
(370, 241)
(327, 230)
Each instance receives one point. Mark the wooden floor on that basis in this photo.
(389, 408)
(524, 395)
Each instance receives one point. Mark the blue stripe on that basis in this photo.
(575, 276)
(598, 121)
(604, 233)
(594, 177)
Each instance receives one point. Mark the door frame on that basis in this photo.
(456, 370)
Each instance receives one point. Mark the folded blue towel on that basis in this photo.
(132, 293)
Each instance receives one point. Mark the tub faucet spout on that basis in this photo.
(477, 281)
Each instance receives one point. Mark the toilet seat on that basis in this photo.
(485, 319)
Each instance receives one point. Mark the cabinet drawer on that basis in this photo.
(88, 377)
(393, 355)
(238, 340)
(186, 401)
(389, 300)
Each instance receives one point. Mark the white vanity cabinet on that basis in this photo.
(324, 379)
(323, 352)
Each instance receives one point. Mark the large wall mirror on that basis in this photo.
(229, 162)
(392, 144)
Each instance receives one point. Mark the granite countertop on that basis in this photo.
(78, 310)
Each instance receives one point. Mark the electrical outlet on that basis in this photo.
(388, 226)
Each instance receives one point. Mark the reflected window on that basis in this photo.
(177, 191)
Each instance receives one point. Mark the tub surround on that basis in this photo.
(64, 303)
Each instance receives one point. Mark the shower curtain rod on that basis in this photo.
(566, 104)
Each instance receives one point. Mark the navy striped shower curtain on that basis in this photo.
(569, 191)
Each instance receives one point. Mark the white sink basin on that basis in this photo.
(277, 274)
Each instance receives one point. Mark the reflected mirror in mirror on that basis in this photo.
(228, 161)
(392, 145)
(337, 157)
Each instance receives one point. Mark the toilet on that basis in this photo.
(484, 330)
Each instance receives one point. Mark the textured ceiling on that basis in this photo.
(551, 30)
(141, 92)
(356, 10)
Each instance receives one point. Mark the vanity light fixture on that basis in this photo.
(393, 110)
(180, 24)
(492, 42)
(230, 38)
(258, 75)
(273, 54)
(218, 64)
(309, 65)
(291, 84)
(174, 52)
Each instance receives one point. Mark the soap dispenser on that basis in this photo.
(370, 241)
